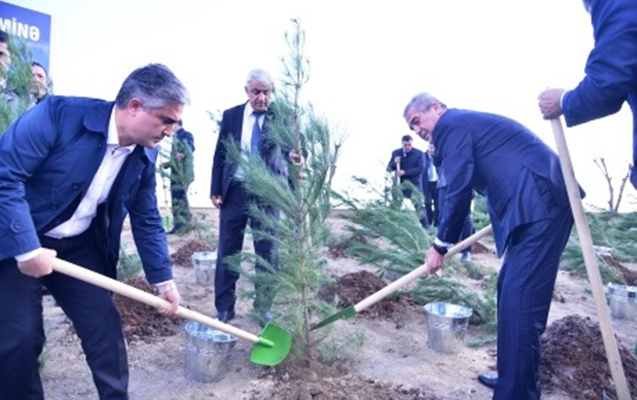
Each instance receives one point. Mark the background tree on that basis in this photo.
(613, 204)
(18, 83)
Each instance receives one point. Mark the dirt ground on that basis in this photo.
(392, 363)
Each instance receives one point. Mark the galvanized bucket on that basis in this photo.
(446, 326)
(622, 301)
(207, 353)
(203, 263)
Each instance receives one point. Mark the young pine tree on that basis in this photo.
(303, 200)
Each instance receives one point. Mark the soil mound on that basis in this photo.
(574, 361)
(348, 387)
(141, 321)
(479, 248)
(339, 249)
(629, 276)
(352, 288)
(182, 256)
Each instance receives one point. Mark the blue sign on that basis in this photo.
(31, 26)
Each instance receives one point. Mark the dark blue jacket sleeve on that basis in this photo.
(418, 168)
(391, 166)
(23, 148)
(149, 235)
(220, 156)
(458, 164)
(611, 69)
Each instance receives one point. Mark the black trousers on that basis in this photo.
(431, 202)
(91, 309)
(233, 221)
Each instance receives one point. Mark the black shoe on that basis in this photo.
(177, 229)
(225, 316)
(490, 381)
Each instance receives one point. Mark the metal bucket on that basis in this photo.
(207, 353)
(446, 326)
(622, 301)
(203, 263)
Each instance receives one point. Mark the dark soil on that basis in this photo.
(479, 248)
(143, 322)
(328, 384)
(182, 256)
(339, 249)
(629, 276)
(352, 288)
(574, 361)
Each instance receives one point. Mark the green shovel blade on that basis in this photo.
(345, 313)
(273, 346)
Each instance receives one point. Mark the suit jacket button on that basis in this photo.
(55, 206)
(75, 186)
(16, 226)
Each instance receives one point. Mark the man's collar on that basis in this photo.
(98, 118)
(249, 110)
(112, 138)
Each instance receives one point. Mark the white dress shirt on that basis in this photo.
(246, 133)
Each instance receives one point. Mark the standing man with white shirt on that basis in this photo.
(246, 126)
(71, 169)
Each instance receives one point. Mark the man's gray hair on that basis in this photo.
(422, 102)
(260, 75)
(155, 85)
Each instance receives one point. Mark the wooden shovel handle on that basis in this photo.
(595, 278)
(397, 284)
(396, 173)
(107, 283)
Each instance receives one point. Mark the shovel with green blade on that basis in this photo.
(349, 312)
(270, 348)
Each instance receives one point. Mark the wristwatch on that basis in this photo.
(442, 250)
(440, 246)
(164, 287)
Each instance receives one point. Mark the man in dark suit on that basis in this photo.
(408, 163)
(247, 126)
(71, 169)
(521, 180)
(611, 71)
(181, 176)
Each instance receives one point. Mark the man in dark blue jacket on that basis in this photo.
(409, 164)
(71, 169)
(611, 71)
(521, 180)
